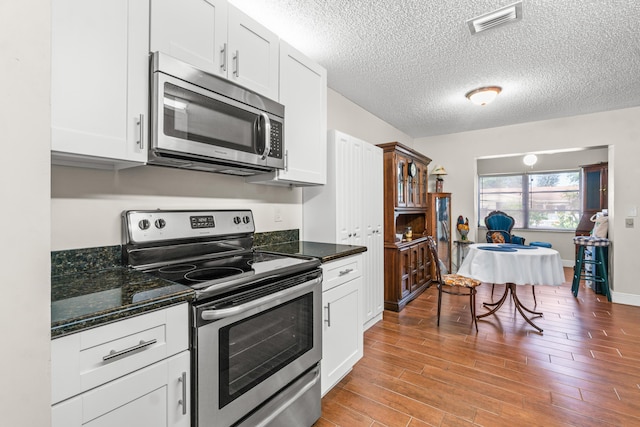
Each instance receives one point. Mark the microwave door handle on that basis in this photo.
(267, 135)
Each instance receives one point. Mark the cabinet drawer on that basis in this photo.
(341, 271)
(153, 396)
(87, 359)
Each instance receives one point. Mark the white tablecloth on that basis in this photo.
(540, 266)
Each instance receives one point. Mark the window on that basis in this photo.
(539, 201)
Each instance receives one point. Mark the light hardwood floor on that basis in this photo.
(583, 370)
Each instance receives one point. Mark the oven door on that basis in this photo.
(251, 346)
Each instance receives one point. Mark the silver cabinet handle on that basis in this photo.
(328, 320)
(267, 135)
(183, 401)
(223, 57)
(347, 271)
(236, 60)
(140, 125)
(143, 344)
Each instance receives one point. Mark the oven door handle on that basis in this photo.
(214, 314)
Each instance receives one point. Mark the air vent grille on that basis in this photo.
(510, 13)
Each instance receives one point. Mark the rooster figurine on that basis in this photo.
(463, 227)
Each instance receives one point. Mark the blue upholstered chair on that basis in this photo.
(499, 226)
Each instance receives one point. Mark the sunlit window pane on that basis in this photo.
(549, 200)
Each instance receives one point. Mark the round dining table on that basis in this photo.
(513, 265)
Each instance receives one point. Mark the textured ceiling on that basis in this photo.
(410, 62)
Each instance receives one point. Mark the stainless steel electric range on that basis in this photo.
(256, 318)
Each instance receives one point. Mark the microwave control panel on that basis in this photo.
(276, 140)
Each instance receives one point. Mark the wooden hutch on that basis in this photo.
(595, 196)
(407, 263)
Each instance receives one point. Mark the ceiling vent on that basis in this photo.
(510, 13)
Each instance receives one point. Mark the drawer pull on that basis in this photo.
(347, 271)
(328, 320)
(113, 354)
(183, 401)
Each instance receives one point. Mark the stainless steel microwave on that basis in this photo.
(203, 122)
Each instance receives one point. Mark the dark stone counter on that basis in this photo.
(90, 287)
(324, 251)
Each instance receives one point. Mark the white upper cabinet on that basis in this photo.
(303, 92)
(252, 54)
(216, 37)
(99, 82)
(194, 31)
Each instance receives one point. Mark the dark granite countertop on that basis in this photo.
(324, 251)
(86, 299)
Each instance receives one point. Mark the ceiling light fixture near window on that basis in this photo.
(483, 95)
(530, 159)
(510, 13)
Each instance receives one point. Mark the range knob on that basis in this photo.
(160, 223)
(236, 220)
(144, 224)
(246, 219)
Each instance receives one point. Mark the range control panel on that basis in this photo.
(152, 226)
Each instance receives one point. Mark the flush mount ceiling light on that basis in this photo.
(483, 95)
(530, 159)
(506, 14)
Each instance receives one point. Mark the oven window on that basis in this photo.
(194, 117)
(253, 349)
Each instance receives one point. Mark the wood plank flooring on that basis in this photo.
(583, 370)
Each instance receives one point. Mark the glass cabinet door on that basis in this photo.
(442, 229)
(422, 171)
(401, 173)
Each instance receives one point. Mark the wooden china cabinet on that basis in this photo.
(407, 263)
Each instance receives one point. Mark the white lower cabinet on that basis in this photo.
(155, 396)
(132, 372)
(342, 340)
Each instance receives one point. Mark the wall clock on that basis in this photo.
(413, 169)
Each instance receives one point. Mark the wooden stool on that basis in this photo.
(600, 273)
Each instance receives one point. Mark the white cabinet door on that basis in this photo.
(253, 54)
(155, 396)
(194, 31)
(99, 81)
(348, 177)
(373, 286)
(218, 38)
(342, 206)
(342, 343)
(303, 92)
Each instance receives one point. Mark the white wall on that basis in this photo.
(350, 118)
(86, 204)
(25, 320)
(620, 130)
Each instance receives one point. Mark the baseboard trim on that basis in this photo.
(628, 299)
